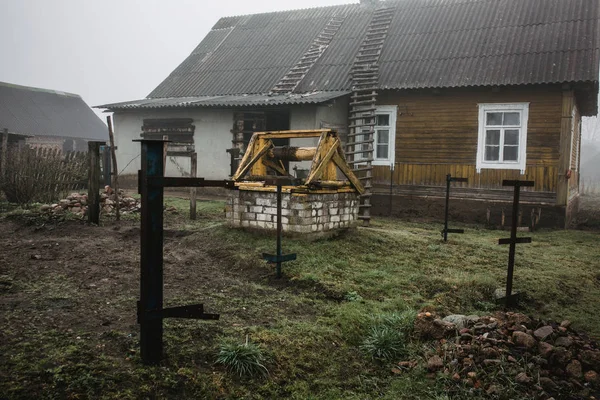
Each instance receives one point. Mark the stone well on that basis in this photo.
(308, 212)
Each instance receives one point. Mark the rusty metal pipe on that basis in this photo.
(288, 153)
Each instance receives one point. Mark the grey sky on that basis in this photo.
(111, 50)
(115, 50)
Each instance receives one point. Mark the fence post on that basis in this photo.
(115, 182)
(106, 167)
(4, 153)
(194, 174)
(94, 182)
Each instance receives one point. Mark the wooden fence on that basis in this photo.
(43, 174)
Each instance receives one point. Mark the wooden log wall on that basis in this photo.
(437, 134)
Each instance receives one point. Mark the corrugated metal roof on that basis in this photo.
(251, 100)
(256, 52)
(32, 111)
(431, 43)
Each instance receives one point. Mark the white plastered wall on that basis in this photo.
(211, 138)
(333, 115)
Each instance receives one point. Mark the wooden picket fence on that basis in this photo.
(43, 175)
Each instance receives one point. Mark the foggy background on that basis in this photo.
(119, 50)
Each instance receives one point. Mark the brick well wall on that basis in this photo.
(301, 213)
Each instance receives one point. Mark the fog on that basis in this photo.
(112, 50)
(119, 50)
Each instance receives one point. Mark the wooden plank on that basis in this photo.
(115, 173)
(257, 155)
(94, 182)
(562, 189)
(343, 166)
(258, 168)
(193, 174)
(331, 149)
(245, 159)
(4, 153)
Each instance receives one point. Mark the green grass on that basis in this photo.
(332, 328)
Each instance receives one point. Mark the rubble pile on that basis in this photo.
(77, 203)
(539, 359)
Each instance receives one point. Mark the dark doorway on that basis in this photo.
(279, 121)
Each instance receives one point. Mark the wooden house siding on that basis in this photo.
(437, 134)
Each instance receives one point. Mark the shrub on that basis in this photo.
(389, 335)
(242, 359)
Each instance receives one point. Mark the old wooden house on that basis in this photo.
(483, 89)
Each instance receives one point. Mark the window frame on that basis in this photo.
(392, 112)
(523, 110)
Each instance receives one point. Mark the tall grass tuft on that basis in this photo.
(242, 359)
(389, 335)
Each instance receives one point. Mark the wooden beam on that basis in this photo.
(243, 169)
(245, 158)
(94, 182)
(343, 166)
(323, 161)
(258, 168)
(315, 161)
(4, 153)
(564, 158)
(289, 153)
(193, 174)
(115, 173)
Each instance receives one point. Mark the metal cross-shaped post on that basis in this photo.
(446, 230)
(278, 258)
(513, 240)
(150, 306)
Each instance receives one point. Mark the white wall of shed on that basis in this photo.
(211, 138)
(334, 115)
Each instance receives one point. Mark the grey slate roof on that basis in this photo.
(32, 111)
(251, 100)
(430, 44)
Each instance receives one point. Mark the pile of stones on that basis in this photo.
(77, 203)
(539, 359)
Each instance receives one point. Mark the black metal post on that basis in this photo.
(513, 242)
(446, 230)
(151, 274)
(150, 306)
(278, 257)
(448, 177)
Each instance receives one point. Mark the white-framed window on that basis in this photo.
(384, 140)
(502, 142)
(384, 137)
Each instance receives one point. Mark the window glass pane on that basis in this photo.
(492, 137)
(383, 119)
(512, 118)
(492, 153)
(494, 118)
(382, 151)
(511, 153)
(383, 136)
(511, 136)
